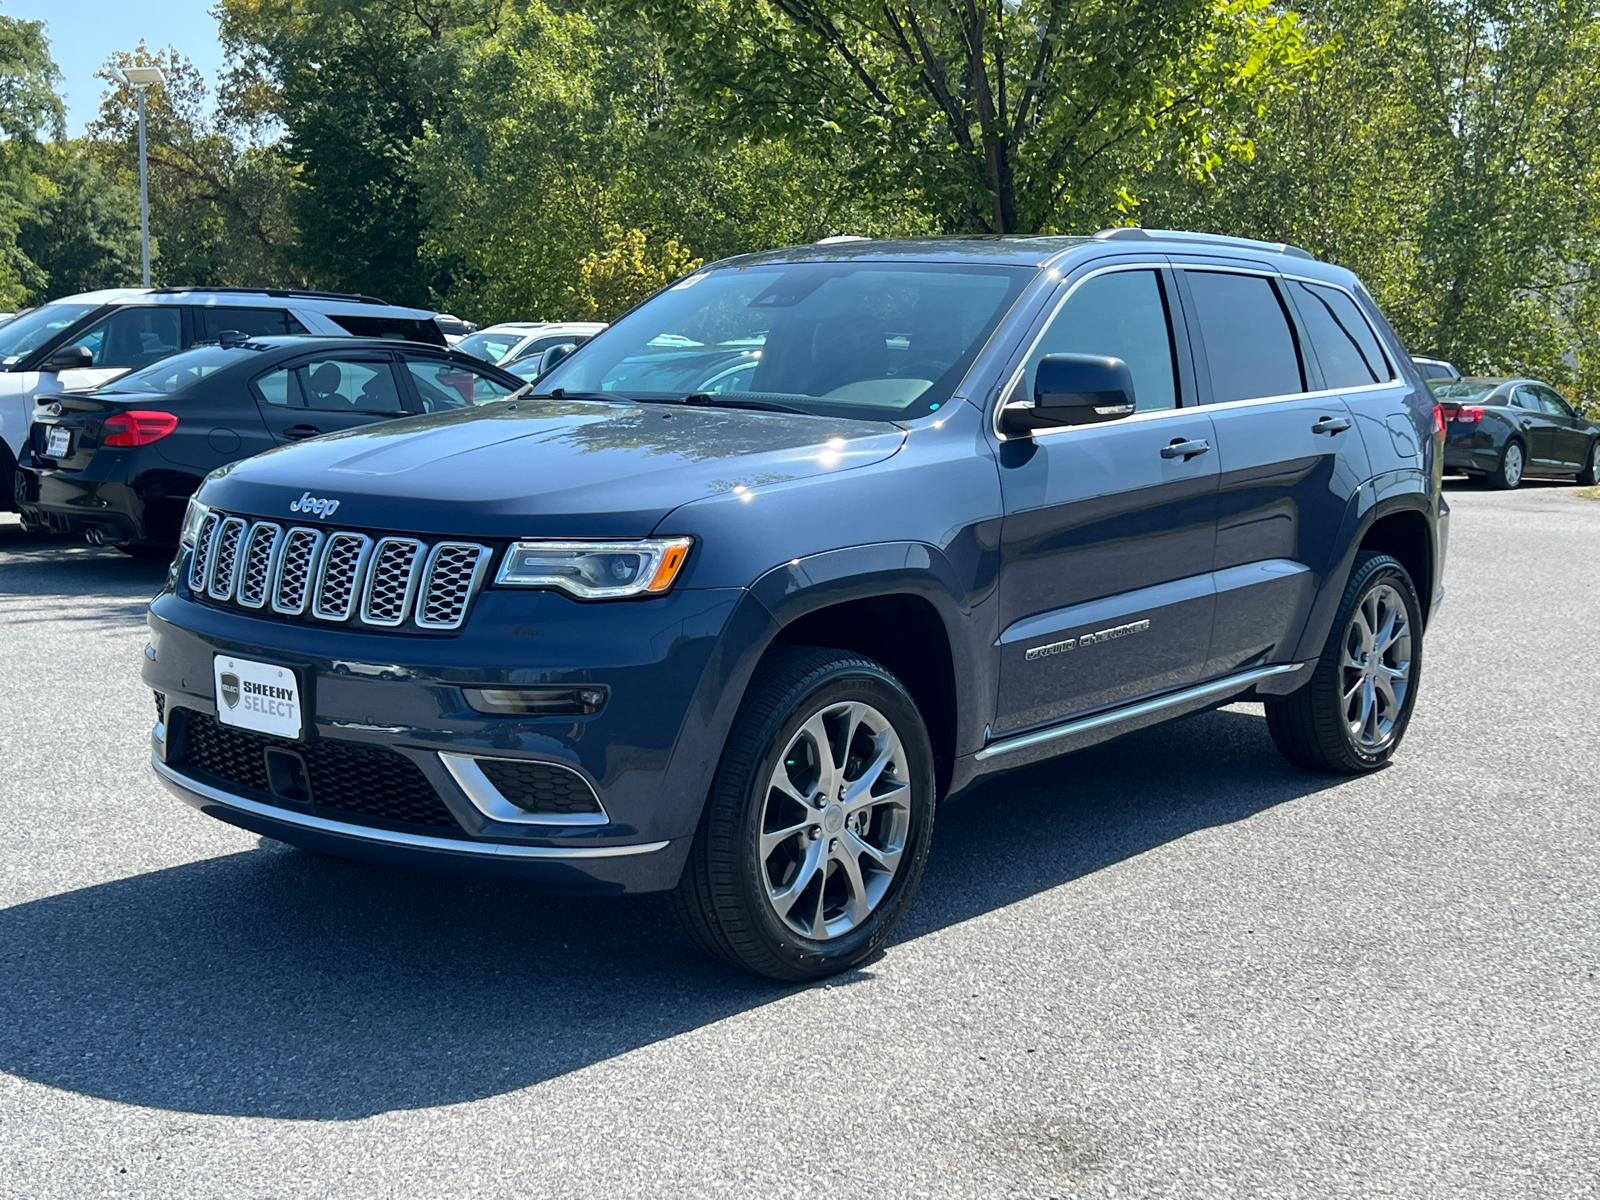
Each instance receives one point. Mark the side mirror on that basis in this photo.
(1074, 389)
(69, 358)
(555, 354)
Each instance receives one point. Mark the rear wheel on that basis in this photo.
(1508, 472)
(815, 835)
(1349, 718)
(1590, 475)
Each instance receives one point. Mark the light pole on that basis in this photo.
(140, 78)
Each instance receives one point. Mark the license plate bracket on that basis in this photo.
(259, 696)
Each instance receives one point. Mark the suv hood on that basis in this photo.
(544, 468)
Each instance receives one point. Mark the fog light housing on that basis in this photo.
(582, 701)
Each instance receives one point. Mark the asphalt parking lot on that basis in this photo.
(1168, 966)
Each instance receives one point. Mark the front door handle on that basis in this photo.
(1331, 425)
(301, 431)
(1185, 448)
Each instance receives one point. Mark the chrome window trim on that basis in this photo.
(491, 802)
(1398, 379)
(192, 789)
(356, 574)
(313, 564)
(412, 580)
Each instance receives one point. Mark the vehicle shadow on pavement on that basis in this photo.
(283, 984)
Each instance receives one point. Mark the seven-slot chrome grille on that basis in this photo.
(339, 576)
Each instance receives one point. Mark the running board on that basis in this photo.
(1191, 697)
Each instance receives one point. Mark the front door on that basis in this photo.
(327, 392)
(1569, 434)
(1107, 542)
(1289, 455)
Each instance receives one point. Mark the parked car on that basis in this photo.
(1435, 368)
(453, 327)
(977, 503)
(80, 342)
(118, 463)
(1506, 430)
(514, 341)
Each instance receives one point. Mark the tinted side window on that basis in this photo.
(280, 388)
(1122, 315)
(252, 322)
(1553, 403)
(443, 385)
(1523, 397)
(362, 325)
(339, 385)
(1249, 345)
(132, 337)
(1348, 350)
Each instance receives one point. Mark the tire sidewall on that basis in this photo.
(1371, 574)
(883, 692)
(1500, 477)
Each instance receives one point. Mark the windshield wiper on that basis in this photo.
(711, 400)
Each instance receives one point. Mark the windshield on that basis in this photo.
(25, 334)
(178, 371)
(1463, 389)
(873, 341)
(491, 345)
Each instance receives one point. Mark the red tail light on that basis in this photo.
(1469, 414)
(1438, 419)
(137, 428)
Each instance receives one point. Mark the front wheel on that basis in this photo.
(1590, 475)
(1508, 472)
(815, 835)
(1350, 716)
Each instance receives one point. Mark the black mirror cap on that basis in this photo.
(1075, 389)
(69, 358)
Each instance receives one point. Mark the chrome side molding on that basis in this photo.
(1132, 712)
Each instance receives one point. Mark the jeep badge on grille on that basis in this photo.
(317, 508)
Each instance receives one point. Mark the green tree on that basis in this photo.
(356, 84)
(1007, 116)
(570, 175)
(1449, 152)
(29, 108)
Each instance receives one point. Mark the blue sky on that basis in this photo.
(84, 32)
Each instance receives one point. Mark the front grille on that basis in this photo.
(341, 577)
(348, 780)
(540, 787)
(161, 708)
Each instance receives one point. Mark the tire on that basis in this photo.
(761, 913)
(1312, 727)
(1508, 472)
(1590, 475)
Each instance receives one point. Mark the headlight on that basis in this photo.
(192, 516)
(596, 570)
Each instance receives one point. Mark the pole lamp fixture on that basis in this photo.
(139, 79)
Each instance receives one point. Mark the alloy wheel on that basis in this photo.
(1375, 667)
(834, 820)
(1513, 465)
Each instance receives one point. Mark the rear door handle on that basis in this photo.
(1185, 448)
(1331, 425)
(301, 431)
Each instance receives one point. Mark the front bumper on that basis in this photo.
(648, 754)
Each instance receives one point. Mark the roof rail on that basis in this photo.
(279, 293)
(1132, 233)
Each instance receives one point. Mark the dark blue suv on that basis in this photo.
(731, 597)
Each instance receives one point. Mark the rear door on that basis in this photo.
(327, 392)
(1106, 546)
(1288, 456)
